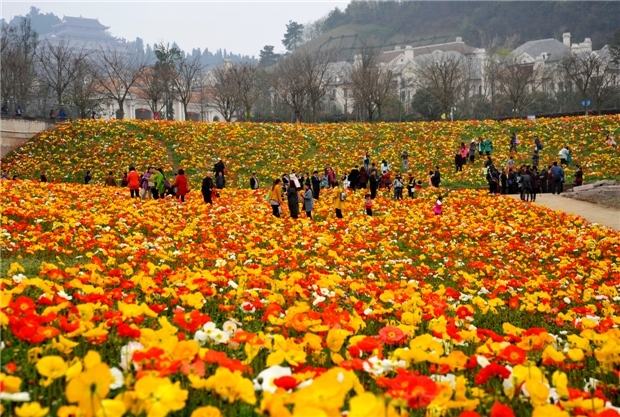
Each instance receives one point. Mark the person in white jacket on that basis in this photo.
(563, 154)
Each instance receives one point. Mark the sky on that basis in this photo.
(242, 27)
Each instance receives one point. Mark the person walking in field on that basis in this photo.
(308, 201)
(366, 162)
(109, 180)
(207, 188)
(458, 162)
(405, 157)
(220, 181)
(438, 208)
(133, 182)
(472, 151)
(275, 197)
(254, 182)
(514, 141)
(316, 184)
(563, 154)
(292, 198)
(557, 174)
(363, 178)
(180, 183)
(368, 204)
(338, 197)
(374, 183)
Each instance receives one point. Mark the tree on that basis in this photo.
(18, 45)
(294, 36)
(59, 64)
(116, 73)
(288, 83)
(370, 81)
(600, 88)
(224, 88)
(614, 48)
(157, 80)
(426, 105)
(187, 79)
(245, 78)
(267, 56)
(83, 91)
(316, 75)
(579, 68)
(445, 75)
(516, 81)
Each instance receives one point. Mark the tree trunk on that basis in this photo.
(121, 112)
(185, 111)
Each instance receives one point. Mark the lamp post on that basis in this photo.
(452, 110)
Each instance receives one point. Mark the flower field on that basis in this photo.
(66, 152)
(112, 306)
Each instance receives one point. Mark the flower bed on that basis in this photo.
(273, 149)
(111, 306)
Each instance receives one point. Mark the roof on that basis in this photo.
(459, 47)
(81, 22)
(552, 47)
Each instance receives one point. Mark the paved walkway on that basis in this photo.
(591, 212)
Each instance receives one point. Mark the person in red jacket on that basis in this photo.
(133, 179)
(181, 184)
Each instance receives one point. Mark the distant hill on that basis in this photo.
(480, 23)
(43, 24)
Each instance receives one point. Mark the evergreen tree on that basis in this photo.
(294, 36)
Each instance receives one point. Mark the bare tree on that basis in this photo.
(225, 94)
(59, 64)
(18, 47)
(445, 75)
(316, 75)
(118, 71)
(289, 86)
(580, 68)
(188, 72)
(602, 79)
(83, 92)
(153, 88)
(246, 80)
(370, 82)
(516, 81)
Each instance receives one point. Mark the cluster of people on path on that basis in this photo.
(527, 180)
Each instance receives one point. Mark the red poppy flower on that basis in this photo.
(391, 335)
(287, 382)
(490, 370)
(368, 344)
(501, 410)
(514, 355)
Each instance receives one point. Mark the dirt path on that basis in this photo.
(591, 212)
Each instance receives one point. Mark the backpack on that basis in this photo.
(343, 196)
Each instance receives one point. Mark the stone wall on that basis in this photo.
(15, 131)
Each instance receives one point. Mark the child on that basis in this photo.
(368, 204)
(438, 209)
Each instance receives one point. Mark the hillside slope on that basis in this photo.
(479, 23)
(273, 149)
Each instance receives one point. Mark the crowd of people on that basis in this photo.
(299, 191)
